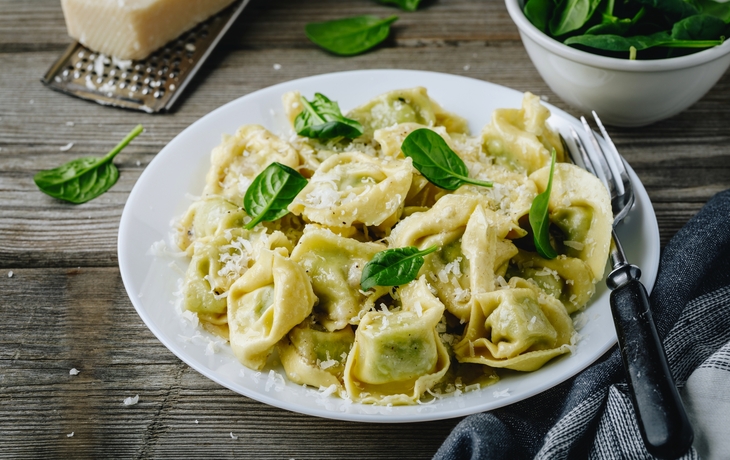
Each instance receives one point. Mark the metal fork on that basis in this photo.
(661, 417)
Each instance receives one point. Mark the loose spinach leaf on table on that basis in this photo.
(433, 158)
(322, 119)
(83, 179)
(393, 267)
(271, 192)
(349, 36)
(407, 5)
(540, 219)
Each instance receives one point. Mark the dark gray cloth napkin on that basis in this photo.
(591, 415)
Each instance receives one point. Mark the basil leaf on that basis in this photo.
(539, 219)
(83, 179)
(271, 192)
(322, 119)
(393, 267)
(349, 36)
(433, 158)
(573, 15)
(407, 5)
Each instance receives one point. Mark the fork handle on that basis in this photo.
(663, 422)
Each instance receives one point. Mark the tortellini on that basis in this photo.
(353, 188)
(406, 106)
(520, 139)
(517, 328)
(398, 355)
(264, 304)
(334, 264)
(315, 357)
(241, 157)
(580, 207)
(288, 292)
(207, 217)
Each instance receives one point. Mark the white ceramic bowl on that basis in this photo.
(622, 92)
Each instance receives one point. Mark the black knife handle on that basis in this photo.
(662, 419)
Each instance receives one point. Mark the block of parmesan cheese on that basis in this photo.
(132, 29)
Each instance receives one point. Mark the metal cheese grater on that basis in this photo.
(151, 85)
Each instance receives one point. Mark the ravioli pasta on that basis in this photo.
(288, 292)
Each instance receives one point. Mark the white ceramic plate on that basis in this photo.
(178, 171)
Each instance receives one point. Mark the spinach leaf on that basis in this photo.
(539, 219)
(676, 9)
(349, 36)
(433, 158)
(640, 42)
(612, 25)
(717, 9)
(83, 179)
(539, 13)
(322, 119)
(407, 5)
(573, 15)
(393, 267)
(271, 192)
(698, 27)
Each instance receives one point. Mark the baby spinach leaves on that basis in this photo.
(393, 267)
(271, 192)
(433, 158)
(349, 36)
(654, 28)
(572, 16)
(322, 119)
(539, 218)
(83, 179)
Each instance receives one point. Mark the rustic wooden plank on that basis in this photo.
(39, 25)
(58, 319)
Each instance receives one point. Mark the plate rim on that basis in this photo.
(649, 276)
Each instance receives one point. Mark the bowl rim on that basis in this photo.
(514, 9)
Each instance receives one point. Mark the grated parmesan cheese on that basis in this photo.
(70, 435)
(501, 394)
(131, 401)
(66, 147)
(73, 371)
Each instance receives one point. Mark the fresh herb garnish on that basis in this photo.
(393, 267)
(539, 219)
(271, 192)
(349, 36)
(83, 179)
(653, 28)
(406, 5)
(322, 119)
(433, 158)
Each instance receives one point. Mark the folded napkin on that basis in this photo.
(591, 415)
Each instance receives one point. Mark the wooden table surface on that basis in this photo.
(62, 302)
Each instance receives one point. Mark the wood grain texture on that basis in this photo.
(65, 306)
